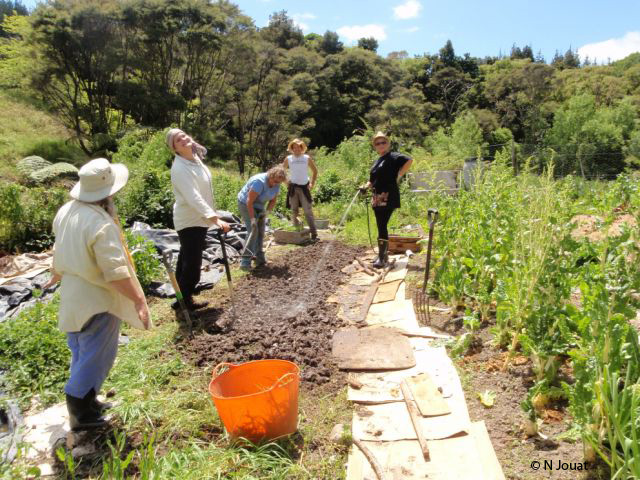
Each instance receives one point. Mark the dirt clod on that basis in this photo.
(281, 314)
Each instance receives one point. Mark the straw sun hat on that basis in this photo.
(378, 135)
(99, 179)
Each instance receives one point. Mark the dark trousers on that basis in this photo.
(383, 214)
(192, 242)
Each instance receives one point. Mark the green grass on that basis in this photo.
(26, 130)
(160, 394)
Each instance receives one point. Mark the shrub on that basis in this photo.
(32, 164)
(147, 265)
(58, 151)
(53, 172)
(148, 198)
(226, 186)
(34, 353)
(26, 215)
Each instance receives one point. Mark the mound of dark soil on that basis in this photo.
(281, 313)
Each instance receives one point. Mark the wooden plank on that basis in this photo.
(387, 292)
(373, 349)
(427, 396)
(414, 413)
(490, 464)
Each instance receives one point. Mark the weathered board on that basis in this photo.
(372, 349)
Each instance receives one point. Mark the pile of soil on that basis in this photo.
(591, 227)
(281, 313)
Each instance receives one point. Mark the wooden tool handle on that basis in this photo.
(415, 418)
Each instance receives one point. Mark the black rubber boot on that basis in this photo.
(82, 414)
(381, 261)
(97, 405)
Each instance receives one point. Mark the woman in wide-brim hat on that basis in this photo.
(384, 175)
(99, 287)
(193, 211)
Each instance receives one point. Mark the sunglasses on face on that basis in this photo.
(377, 144)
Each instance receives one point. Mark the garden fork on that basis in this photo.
(422, 299)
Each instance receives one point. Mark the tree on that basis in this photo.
(331, 43)
(282, 31)
(149, 61)
(521, 53)
(9, 8)
(18, 57)
(518, 91)
(588, 139)
(401, 115)
(368, 44)
(401, 55)
(349, 85)
(448, 55)
(265, 107)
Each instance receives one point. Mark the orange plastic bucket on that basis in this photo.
(257, 400)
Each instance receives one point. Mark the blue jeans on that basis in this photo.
(254, 247)
(93, 351)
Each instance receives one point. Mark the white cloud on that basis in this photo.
(407, 10)
(614, 48)
(412, 29)
(356, 32)
(298, 20)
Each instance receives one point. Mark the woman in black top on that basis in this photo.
(383, 181)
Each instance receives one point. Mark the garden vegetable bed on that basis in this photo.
(281, 313)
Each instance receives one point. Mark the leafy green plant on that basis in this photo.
(26, 215)
(68, 462)
(115, 467)
(145, 258)
(35, 354)
(53, 172)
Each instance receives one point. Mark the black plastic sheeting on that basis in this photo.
(10, 436)
(19, 294)
(167, 240)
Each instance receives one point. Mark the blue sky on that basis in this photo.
(598, 28)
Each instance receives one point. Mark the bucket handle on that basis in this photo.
(218, 370)
(284, 380)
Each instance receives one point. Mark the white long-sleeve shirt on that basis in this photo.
(192, 188)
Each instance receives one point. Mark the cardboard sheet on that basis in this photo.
(453, 458)
(427, 396)
(387, 292)
(381, 387)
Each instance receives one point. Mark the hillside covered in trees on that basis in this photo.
(107, 66)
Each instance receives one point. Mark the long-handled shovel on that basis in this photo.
(422, 299)
(220, 234)
(166, 260)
